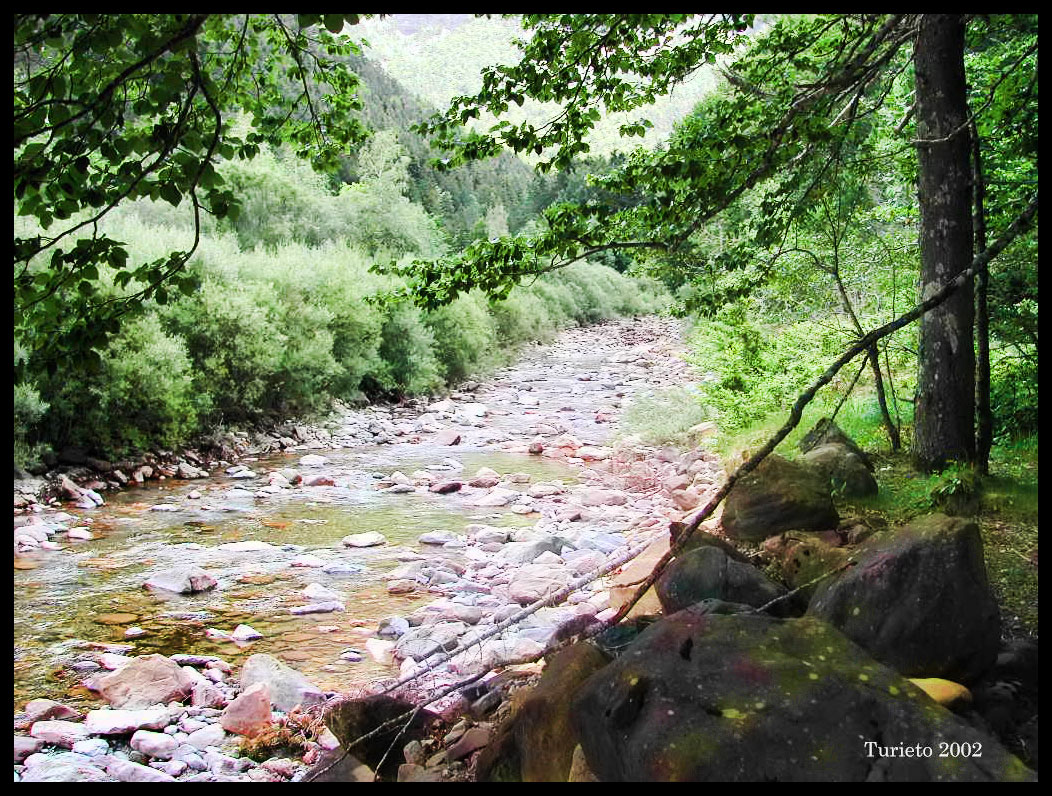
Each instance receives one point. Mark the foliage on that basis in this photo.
(112, 108)
(665, 416)
(141, 395)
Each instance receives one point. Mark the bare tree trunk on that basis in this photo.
(983, 418)
(944, 424)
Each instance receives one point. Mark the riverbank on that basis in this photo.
(564, 497)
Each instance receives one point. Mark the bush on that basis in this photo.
(29, 408)
(1013, 396)
(142, 395)
(408, 365)
(464, 335)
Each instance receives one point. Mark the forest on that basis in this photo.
(806, 246)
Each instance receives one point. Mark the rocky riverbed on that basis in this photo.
(336, 558)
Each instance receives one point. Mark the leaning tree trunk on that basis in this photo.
(945, 402)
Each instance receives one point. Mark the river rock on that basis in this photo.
(779, 495)
(752, 698)
(146, 681)
(447, 437)
(603, 497)
(919, 601)
(288, 688)
(437, 537)
(43, 709)
(708, 573)
(127, 771)
(369, 539)
(534, 581)
(318, 608)
(63, 769)
(185, 580)
(154, 744)
(525, 552)
(313, 460)
(59, 733)
(316, 591)
(248, 714)
(497, 496)
(245, 633)
(24, 747)
(121, 722)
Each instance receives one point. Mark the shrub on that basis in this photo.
(464, 335)
(408, 364)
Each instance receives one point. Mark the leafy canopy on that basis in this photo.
(111, 108)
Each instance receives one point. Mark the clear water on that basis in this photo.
(69, 594)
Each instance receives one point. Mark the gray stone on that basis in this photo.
(288, 688)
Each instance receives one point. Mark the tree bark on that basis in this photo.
(984, 423)
(944, 418)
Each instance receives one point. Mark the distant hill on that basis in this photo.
(440, 56)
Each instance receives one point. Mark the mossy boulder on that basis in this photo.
(827, 432)
(847, 473)
(800, 558)
(704, 697)
(779, 495)
(919, 600)
(351, 719)
(539, 739)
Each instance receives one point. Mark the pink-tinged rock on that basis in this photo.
(210, 735)
(83, 534)
(65, 769)
(127, 771)
(327, 740)
(120, 722)
(496, 497)
(603, 497)
(445, 487)
(594, 453)
(686, 499)
(245, 633)
(154, 744)
(473, 739)
(188, 580)
(112, 662)
(380, 650)
(484, 481)
(43, 709)
(535, 448)
(320, 480)
(206, 695)
(24, 747)
(146, 681)
(318, 608)
(249, 713)
(368, 539)
(401, 586)
(282, 766)
(447, 437)
(59, 733)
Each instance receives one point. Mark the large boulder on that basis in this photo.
(537, 743)
(288, 688)
(148, 680)
(847, 473)
(827, 432)
(919, 601)
(708, 573)
(779, 495)
(753, 698)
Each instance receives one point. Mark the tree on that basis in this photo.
(792, 102)
(111, 108)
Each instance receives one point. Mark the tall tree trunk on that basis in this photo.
(944, 427)
(984, 423)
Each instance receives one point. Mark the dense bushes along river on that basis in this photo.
(284, 331)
